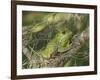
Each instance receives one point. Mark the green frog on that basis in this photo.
(59, 43)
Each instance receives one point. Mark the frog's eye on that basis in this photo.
(64, 32)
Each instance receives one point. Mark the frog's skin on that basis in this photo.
(59, 43)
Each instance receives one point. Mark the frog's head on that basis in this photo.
(64, 40)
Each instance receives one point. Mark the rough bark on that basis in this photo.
(58, 59)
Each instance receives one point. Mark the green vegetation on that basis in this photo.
(54, 39)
